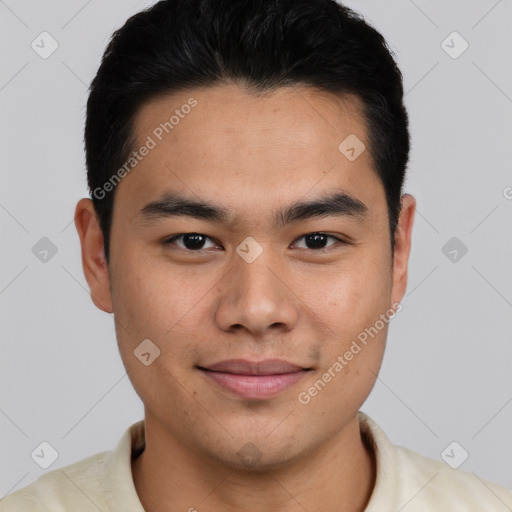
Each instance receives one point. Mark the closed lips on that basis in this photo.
(254, 380)
(245, 367)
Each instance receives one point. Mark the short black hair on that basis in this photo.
(261, 44)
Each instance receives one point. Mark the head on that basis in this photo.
(277, 130)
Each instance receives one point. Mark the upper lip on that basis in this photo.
(245, 367)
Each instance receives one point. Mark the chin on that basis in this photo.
(250, 459)
(261, 452)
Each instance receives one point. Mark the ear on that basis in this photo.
(403, 236)
(93, 254)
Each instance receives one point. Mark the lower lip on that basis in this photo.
(255, 387)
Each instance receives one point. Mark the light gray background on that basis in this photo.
(446, 374)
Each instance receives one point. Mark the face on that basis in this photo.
(250, 275)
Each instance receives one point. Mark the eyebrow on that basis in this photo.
(339, 204)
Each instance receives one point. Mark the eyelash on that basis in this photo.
(171, 240)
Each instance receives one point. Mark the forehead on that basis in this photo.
(287, 116)
(248, 148)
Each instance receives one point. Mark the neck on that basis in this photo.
(339, 475)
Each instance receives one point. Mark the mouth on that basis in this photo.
(254, 380)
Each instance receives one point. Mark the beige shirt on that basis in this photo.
(406, 482)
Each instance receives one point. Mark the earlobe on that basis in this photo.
(403, 240)
(93, 254)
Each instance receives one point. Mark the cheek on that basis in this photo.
(162, 304)
(152, 297)
(352, 297)
(353, 349)
(152, 305)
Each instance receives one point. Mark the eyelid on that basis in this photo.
(170, 241)
(340, 241)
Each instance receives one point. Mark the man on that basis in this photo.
(247, 228)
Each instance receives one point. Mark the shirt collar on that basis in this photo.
(386, 483)
(117, 484)
(120, 492)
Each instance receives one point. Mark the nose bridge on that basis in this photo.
(258, 277)
(255, 296)
(257, 286)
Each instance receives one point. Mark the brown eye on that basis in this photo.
(190, 241)
(317, 241)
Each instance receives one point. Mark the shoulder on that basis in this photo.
(77, 484)
(434, 483)
(100, 482)
(410, 482)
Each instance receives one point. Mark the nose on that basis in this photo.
(256, 297)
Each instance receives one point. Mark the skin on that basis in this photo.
(251, 154)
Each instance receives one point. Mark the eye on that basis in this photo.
(316, 241)
(191, 241)
(194, 242)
